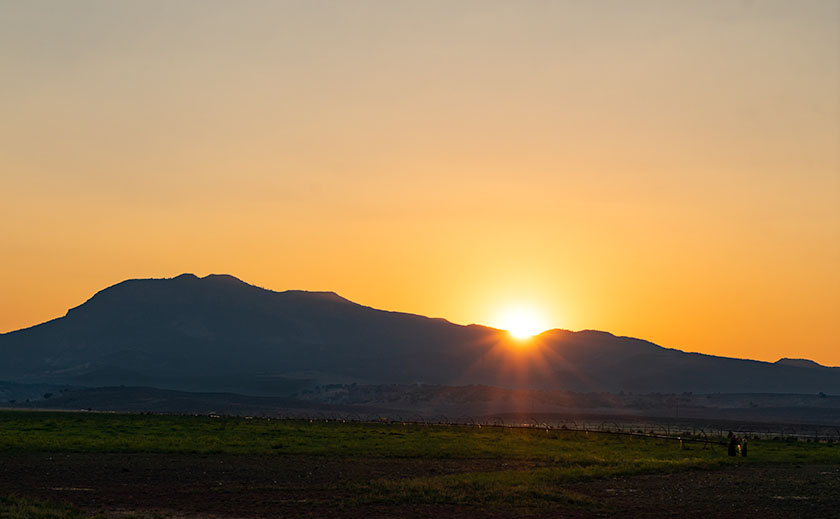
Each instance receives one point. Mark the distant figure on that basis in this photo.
(734, 443)
(744, 447)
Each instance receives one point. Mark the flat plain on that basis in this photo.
(74, 464)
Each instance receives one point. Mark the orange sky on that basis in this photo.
(664, 170)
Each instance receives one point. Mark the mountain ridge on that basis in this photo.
(802, 363)
(221, 333)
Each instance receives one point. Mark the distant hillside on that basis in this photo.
(220, 334)
(417, 402)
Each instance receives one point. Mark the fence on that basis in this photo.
(712, 433)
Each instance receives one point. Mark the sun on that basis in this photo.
(521, 322)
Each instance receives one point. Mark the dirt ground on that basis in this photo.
(236, 486)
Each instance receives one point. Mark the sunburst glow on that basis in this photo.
(521, 322)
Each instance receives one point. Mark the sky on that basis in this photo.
(668, 170)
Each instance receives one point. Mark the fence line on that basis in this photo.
(709, 433)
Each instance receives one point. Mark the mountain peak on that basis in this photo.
(221, 278)
(799, 363)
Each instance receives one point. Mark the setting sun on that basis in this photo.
(521, 322)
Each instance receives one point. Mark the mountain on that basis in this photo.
(218, 333)
(802, 363)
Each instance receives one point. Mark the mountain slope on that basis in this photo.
(218, 333)
(802, 363)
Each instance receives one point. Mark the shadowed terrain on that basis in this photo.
(220, 334)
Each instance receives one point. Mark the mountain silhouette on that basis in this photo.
(219, 333)
(802, 363)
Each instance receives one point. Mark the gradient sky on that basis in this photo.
(668, 170)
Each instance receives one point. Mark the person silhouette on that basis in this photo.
(734, 443)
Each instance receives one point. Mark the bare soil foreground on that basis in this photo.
(227, 486)
(129, 466)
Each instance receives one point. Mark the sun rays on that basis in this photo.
(521, 321)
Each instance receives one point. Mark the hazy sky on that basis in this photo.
(668, 170)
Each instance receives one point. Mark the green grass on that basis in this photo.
(95, 432)
(547, 458)
(14, 507)
(505, 488)
(543, 485)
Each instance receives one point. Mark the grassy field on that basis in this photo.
(500, 467)
(14, 507)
